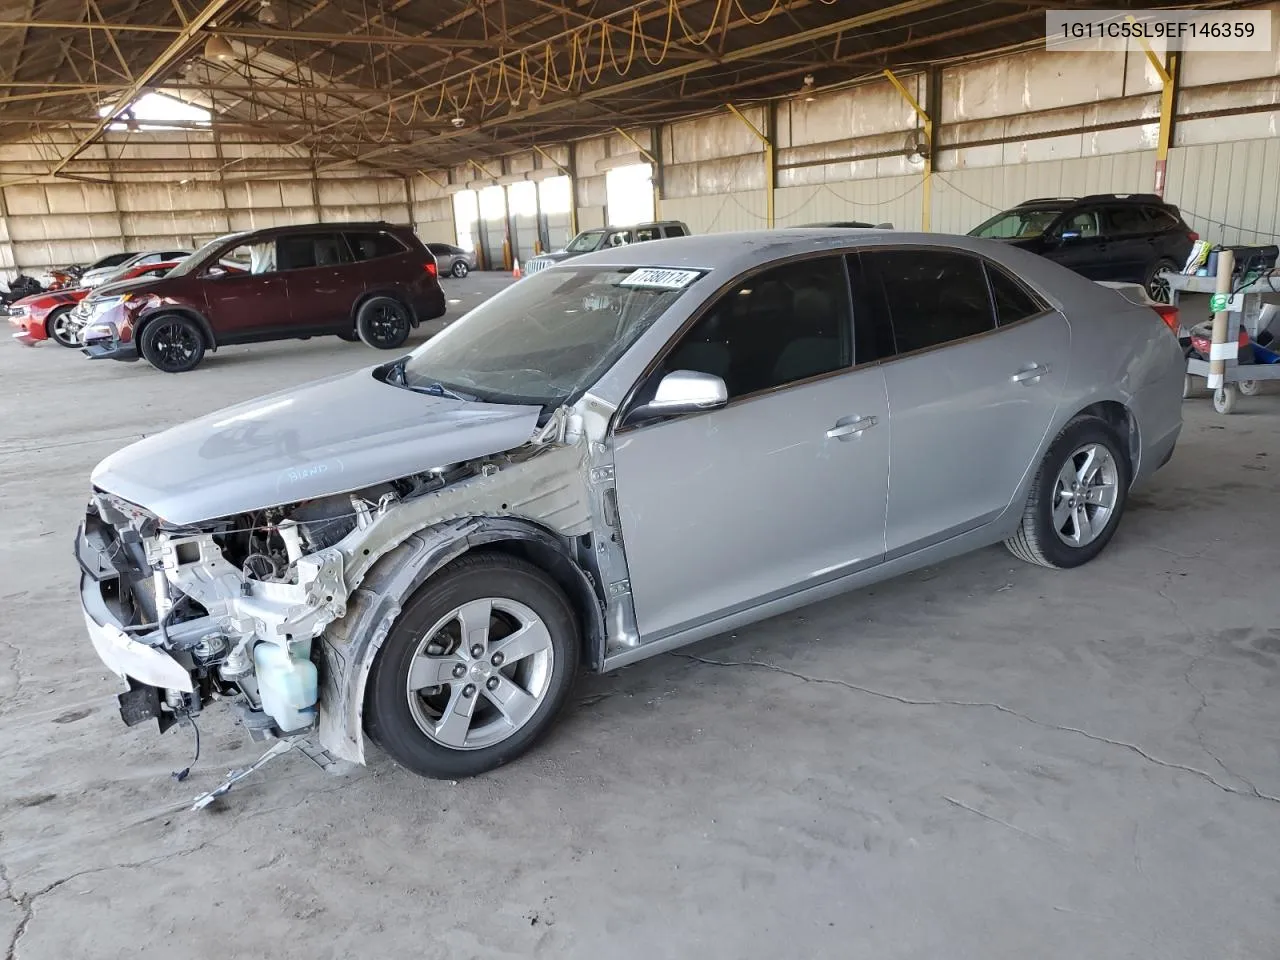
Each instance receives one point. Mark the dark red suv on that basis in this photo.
(366, 281)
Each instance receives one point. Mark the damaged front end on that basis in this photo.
(281, 610)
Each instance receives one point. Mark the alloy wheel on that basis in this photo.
(175, 344)
(62, 331)
(480, 673)
(388, 324)
(1085, 495)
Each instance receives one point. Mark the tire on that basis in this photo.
(55, 326)
(1157, 287)
(460, 269)
(1248, 388)
(1225, 398)
(172, 343)
(1045, 533)
(383, 323)
(424, 729)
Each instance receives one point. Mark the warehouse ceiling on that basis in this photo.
(411, 85)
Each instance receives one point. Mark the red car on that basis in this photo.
(358, 281)
(46, 316)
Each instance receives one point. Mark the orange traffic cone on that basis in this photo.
(515, 273)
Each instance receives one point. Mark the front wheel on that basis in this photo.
(474, 670)
(58, 326)
(460, 269)
(173, 344)
(1076, 498)
(383, 323)
(1225, 398)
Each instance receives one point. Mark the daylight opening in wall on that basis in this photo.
(466, 211)
(155, 111)
(555, 195)
(523, 198)
(493, 203)
(628, 192)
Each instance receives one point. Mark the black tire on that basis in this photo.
(55, 327)
(1157, 287)
(172, 343)
(460, 269)
(389, 717)
(1037, 539)
(383, 322)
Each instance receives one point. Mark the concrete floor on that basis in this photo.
(981, 760)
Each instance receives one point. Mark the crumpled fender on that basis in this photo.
(350, 645)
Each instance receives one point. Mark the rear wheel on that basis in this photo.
(1076, 498)
(1248, 388)
(58, 326)
(1225, 398)
(1158, 286)
(172, 344)
(474, 670)
(383, 322)
(460, 269)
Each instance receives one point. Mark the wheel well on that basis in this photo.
(1117, 415)
(569, 578)
(198, 320)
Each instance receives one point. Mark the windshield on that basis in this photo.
(546, 339)
(586, 241)
(194, 262)
(1018, 223)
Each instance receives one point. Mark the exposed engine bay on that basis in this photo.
(235, 608)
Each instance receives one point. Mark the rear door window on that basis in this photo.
(932, 296)
(1127, 221)
(373, 245)
(304, 250)
(675, 230)
(1162, 220)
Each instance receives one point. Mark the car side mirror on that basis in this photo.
(1067, 235)
(215, 271)
(683, 391)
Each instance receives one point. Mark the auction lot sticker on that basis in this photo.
(659, 278)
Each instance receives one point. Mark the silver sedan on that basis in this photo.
(616, 457)
(452, 261)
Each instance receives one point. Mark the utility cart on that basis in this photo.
(1244, 306)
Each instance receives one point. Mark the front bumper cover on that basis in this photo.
(125, 350)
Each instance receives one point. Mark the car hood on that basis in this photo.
(116, 287)
(328, 437)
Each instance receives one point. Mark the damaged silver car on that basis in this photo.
(609, 460)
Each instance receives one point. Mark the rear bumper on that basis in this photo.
(429, 306)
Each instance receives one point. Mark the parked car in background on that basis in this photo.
(602, 238)
(79, 316)
(1107, 236)
(452, 261)
(100, 275)
(59, 315)
(611, 459)
(358, 281)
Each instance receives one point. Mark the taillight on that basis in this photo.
(430, 267)
(1169, 314)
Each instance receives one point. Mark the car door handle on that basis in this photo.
(1031, 374)
(848, 428)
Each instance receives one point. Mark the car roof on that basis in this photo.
(741, 251)
(343, 226)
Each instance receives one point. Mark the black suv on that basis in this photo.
(1107, 236)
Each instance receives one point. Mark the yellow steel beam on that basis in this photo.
(1167, 92)
(644, 151)
(551, 160)
(483, 171)
(926, 199)
(770, 166)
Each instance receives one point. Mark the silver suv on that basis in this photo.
(605, 238)
(611, 459)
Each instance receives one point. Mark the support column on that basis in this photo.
(770, 162)
(408, 201)
(926, 200)
(1168, 74)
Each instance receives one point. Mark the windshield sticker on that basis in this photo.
(658, 278)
